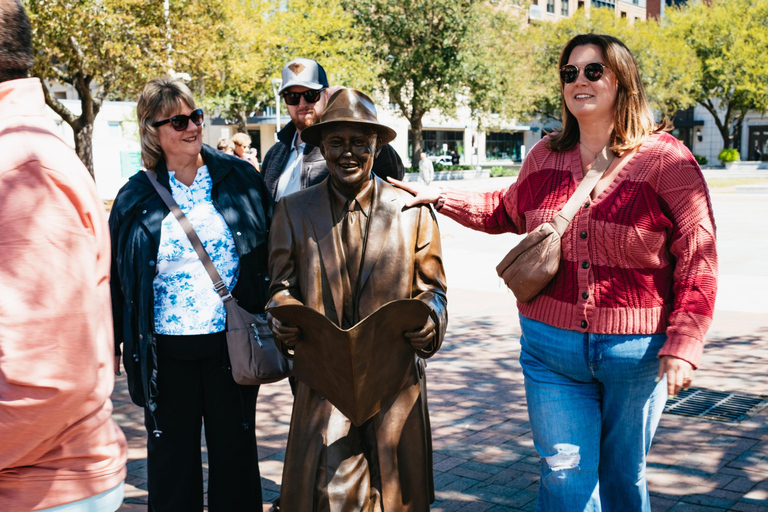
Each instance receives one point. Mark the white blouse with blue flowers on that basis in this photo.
(185, 301)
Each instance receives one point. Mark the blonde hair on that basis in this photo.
(633, 119)
(159, 97)
(241, 139)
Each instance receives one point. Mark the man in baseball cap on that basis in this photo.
(293, 164)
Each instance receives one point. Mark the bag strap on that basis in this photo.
(587, 185)
(165, 195)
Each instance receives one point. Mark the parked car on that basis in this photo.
(441, 159)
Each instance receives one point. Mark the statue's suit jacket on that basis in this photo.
(403, 259)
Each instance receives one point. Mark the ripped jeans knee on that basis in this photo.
(567, 457)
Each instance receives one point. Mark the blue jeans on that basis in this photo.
(594, 408)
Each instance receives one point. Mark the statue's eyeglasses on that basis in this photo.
(310, 96)
(592, 71)
(181, 121)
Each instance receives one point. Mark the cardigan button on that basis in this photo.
(151, 263)
(143, 212)
(584, 324)
(583, 234)
(239, 233)
(585, 264)
(586, 205)
(585, 295)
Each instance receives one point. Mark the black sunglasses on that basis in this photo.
(592, 71)
(181, 121)
(310, 96)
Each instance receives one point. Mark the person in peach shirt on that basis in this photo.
(60, 446)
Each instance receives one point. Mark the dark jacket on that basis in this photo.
(313, 169)
(240, 195)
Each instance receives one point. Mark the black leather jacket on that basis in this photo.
(240, 195)
(313, 169)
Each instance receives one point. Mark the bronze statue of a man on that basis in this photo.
(345, 247)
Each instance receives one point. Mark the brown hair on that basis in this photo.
(159, 97)
(16, 56)
(633, 118)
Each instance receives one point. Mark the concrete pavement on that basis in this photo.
(484, 458)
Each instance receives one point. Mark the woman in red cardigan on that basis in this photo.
(622, 324)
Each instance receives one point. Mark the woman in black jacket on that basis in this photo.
(169, 318)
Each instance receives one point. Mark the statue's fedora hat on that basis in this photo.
(349, 106)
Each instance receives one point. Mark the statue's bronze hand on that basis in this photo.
(422, 338)
(287, 334)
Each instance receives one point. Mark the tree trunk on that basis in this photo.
(418, 141)
(241, 119)
(84, 145)
(724, 126)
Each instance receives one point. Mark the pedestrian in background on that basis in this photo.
(59, 445)
(167, 314)
(225, 145)
(426, 169)
(242, 148)
(621, 326)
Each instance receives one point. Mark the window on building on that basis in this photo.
(60, 95)
(580, 5)
(115, 129)
(435, 140)
(551, 6)
(535, 2)
(604, 3)
(564, 7)
(503, 145)
(623, 14)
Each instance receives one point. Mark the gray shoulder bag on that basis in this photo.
(253, 355)
(532, 263)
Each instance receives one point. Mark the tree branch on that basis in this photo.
(57, 106)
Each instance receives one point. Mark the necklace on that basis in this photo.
(593, 153)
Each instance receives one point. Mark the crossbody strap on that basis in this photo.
(587, 185)
(165, 195)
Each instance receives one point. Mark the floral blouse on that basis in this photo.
(185, 301)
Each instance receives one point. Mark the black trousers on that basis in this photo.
(195, 385)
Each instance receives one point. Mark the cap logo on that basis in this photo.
(296, 68)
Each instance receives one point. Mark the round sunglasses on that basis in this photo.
(592, 71)
(181, 121)
(310, 96)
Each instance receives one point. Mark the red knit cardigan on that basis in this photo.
(639, 259)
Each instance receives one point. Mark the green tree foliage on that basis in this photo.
(497, 67)
(729, 38)
(664, 62)
(264, 35)
(422, 48)
(110, 48)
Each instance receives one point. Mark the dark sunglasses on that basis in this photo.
(181, 121)
(310, 96)
(592, 71)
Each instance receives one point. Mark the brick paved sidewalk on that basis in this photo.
(484, 458)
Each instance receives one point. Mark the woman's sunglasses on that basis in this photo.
(181, 121)
(310, 96)
(592, 71)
